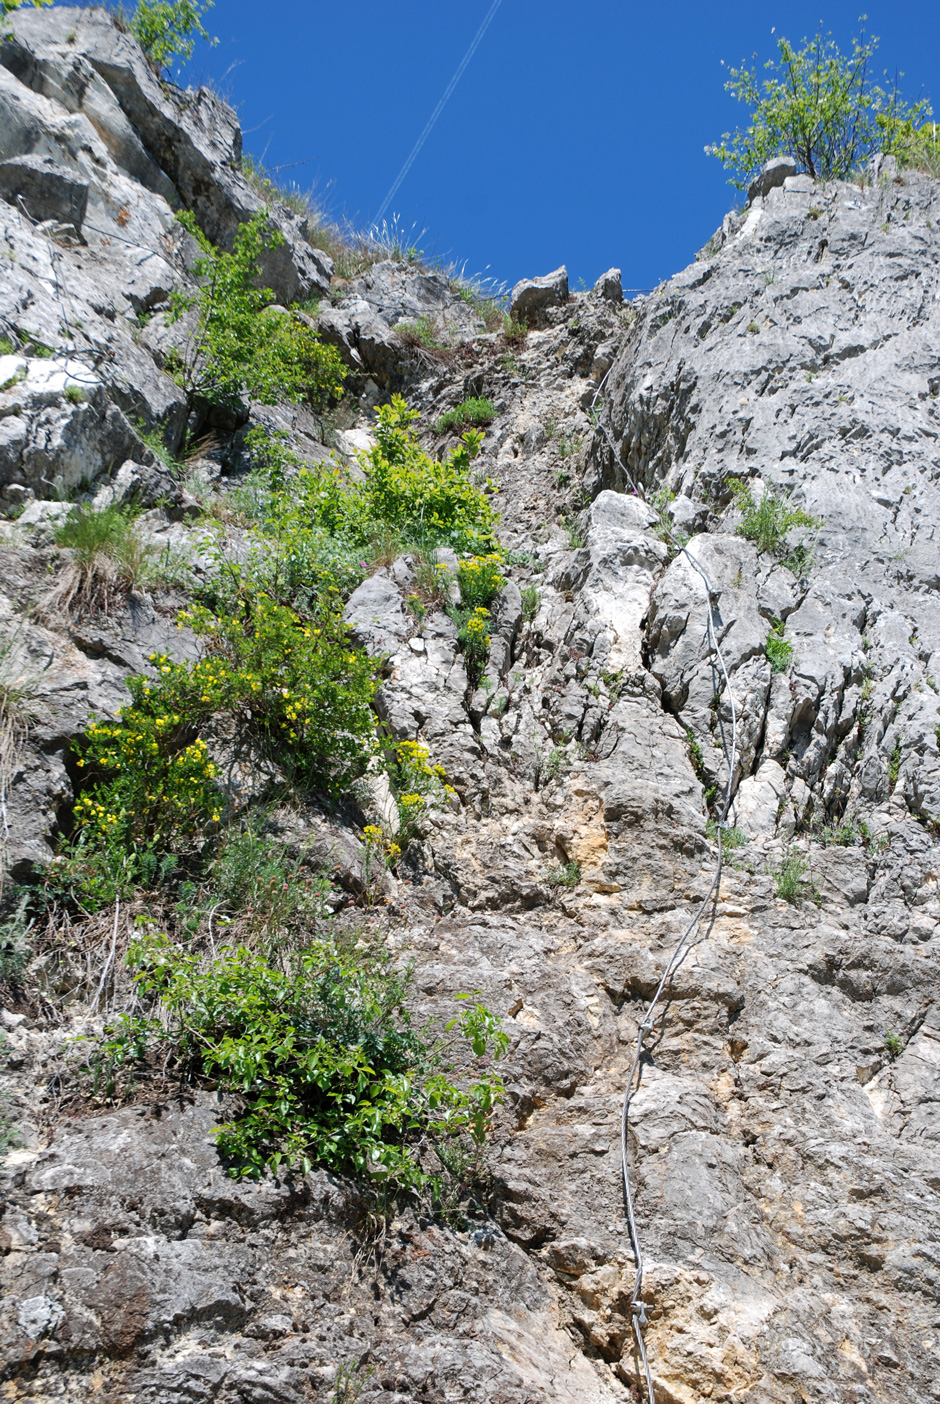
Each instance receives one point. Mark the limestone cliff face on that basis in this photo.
(785, 1162)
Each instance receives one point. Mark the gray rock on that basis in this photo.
(609, 287)
(534, 296)
(772, 174)
(44, 189)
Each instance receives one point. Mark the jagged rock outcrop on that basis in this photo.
(784, 1152)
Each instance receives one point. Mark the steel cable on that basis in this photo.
(683, 946)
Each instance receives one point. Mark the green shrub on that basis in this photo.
(168, 29)
(768, 523)
(294, 688)
(258, 890)
(323, 1057)
(480, 579)
(819, 106)
(418, 785)
(779, 650)
(894, 1045)
(242, 346)
(73, 394)
(472, 413)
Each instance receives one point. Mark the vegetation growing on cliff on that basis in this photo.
(819, 106)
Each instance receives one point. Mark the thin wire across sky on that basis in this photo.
(415, 150)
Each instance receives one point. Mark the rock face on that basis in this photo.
(532, 298)
(784, 1135)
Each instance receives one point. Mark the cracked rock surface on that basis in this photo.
(784, 1154)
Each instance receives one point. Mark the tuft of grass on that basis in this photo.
(73, 394)
(472, 413)
(421, 335)
(790, 883)
(531, 599)
(109, 558)
(731, 839)
(564, 875)
(894, 1044)
(779, 650)
(514, 331)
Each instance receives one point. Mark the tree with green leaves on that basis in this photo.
(166, 29)
(819, 106)
(241, 346)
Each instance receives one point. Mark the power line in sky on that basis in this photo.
(438, 110)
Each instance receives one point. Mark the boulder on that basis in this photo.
(608, 287)
(532, 297)
(772, 174)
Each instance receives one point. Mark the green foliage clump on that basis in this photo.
(109, 558)
(790, 882)
(768, 523)
(564, 875)
(480, 579)
(242, 346)
(779, 650)
(418, 784)
(322, 1055)
(514, 331)
(473, 635)
(420, 335)
(255, 888)
(819, 106)
(894, 1044)
(294, 688)
(531, 599)
(167, 29)
(472, 413)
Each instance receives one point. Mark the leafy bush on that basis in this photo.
(168, 29)
(470, 413)
(768, 523)
(294, 688)
(321, 1054)
(779, 649)
(242, 346)
(418, 784)
(894, 1045)
(819, 106)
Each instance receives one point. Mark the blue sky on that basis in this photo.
(575, 135)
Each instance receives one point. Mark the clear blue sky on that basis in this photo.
(575, 135)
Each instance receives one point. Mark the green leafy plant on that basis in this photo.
(768, 523)
(790, 883)
(894, 1044)
(472, 413)
(819, 106)
(514, 332)
(421, 335)
(480, 579)
(779, 650)
(168, 29)
(531, 599)
(241, 345)
(731, 838)
(564, 875)
(473, 635)
(322, 1054)
(73, 394)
